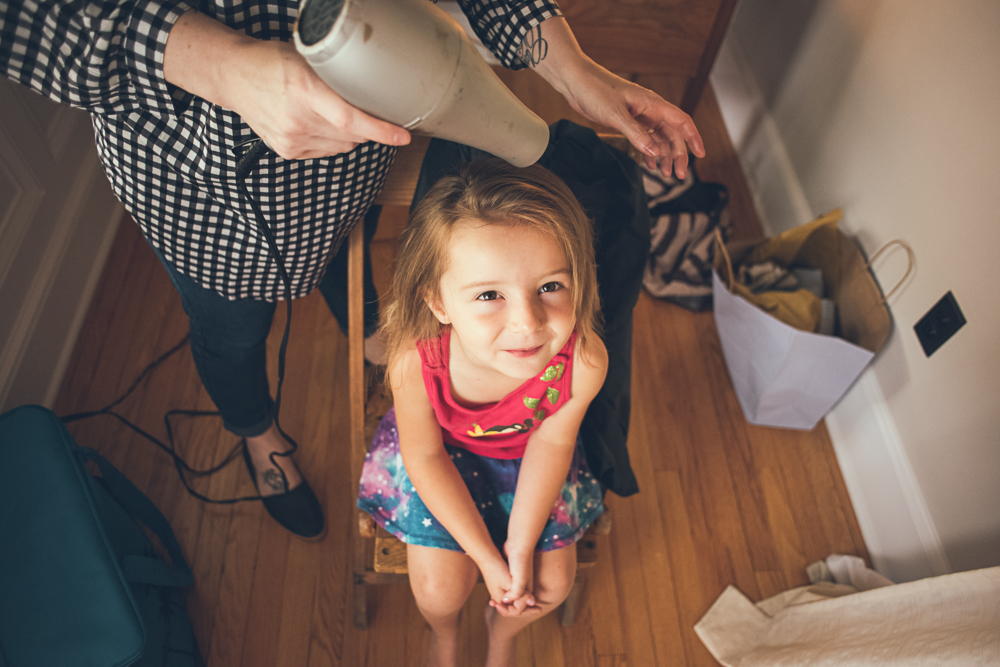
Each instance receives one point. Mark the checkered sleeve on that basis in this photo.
(502, 24)
(101, 55)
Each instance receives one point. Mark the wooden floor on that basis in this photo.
(722, 502)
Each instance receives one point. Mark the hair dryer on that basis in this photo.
(409, 63)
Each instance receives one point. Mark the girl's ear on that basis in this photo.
(434, 303)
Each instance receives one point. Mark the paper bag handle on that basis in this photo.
(910, 261)
(725, 254)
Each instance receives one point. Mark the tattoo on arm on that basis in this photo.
(533, 48)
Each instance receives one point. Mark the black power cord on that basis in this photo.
(245, 165)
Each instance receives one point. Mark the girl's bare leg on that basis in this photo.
(554, 575)
(441, 581)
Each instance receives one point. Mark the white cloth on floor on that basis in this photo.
(860, 618)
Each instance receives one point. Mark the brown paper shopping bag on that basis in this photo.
(784, 375)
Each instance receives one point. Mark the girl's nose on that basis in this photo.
(525, 316)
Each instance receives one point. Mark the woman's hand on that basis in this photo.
(662, 132)
(271, 87)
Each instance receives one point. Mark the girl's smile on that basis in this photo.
(508, 296)
(525, 353)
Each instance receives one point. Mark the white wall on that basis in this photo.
(57, 220)
(891, 110)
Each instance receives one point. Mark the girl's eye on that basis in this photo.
(551, 287)
(492, 295)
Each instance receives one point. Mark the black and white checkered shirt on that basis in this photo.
(167, 153)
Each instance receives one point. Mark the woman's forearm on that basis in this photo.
(560, 58)
(198, 55)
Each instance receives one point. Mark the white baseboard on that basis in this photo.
(33, 300)
(35, 377)
(83, 305)
(900, 535)
(897, 527)
(778, 195)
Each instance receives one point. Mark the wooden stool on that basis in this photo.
(379, 558)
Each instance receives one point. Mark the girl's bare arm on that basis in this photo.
(435, 477)
(546, 463)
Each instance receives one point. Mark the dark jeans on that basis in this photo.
(228, 338)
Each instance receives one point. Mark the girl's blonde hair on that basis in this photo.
(491, 192)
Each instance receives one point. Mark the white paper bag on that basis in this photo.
(782, 376)
(786, 376)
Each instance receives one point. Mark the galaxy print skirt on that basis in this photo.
(388, 495)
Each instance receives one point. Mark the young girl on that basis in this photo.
(493, 359)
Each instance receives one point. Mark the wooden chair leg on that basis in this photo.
(360, 602)
(572, 601)
(356, 392)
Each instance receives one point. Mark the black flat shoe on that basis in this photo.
(297, 510)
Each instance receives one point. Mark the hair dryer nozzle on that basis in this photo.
(409, 63)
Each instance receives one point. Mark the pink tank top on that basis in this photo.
(498, 430)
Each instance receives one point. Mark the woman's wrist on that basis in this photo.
(198, 54)
(564, 60)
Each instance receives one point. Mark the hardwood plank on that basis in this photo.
(418, 633)
(233, 609)
(704, 469)
(332, 618)
(738, 450)
(143, 458)
(269, 577)
(805, 509)
(712, 42)
(392, 604)
(600, 605)
(207, 526)
(695, 584)
(612, 661)
(786, 536)
(304, 570)
(578, 640)
(769, 583)
(546, 642)
(658, 573)
(840, 489)
(832, 518)
(473, 638)
(633, 601)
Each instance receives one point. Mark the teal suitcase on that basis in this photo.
(80, 583)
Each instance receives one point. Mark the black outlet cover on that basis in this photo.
(939, 324)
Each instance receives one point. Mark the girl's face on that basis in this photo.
(508, 296)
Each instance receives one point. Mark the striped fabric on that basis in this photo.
(684, 215)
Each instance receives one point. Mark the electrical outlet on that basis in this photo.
(939, 324)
